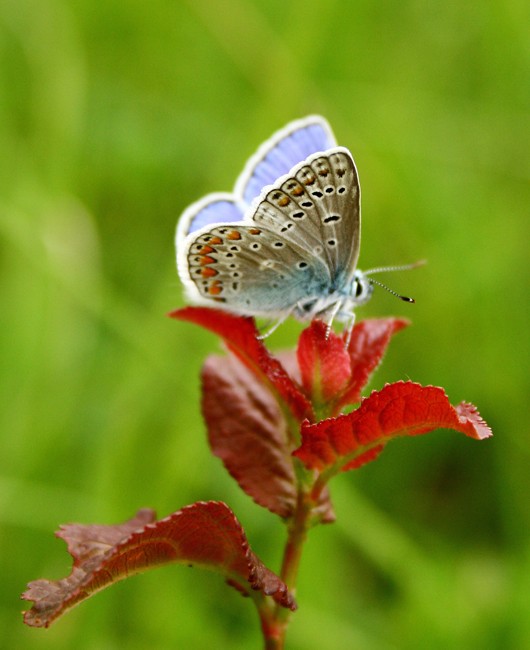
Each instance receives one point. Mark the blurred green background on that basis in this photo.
(114, 116)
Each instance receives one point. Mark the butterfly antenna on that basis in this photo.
(403, 267)
(394, 293)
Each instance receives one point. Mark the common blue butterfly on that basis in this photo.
(286, 241)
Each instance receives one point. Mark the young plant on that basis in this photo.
(280, 430)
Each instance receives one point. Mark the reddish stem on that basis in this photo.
(274, 621)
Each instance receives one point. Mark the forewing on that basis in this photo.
(280, 153)
(251, 270)
(317, 208)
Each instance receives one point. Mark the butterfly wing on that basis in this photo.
(219, 207)
(251, 270)
(317, 207)
(281, 152)
(276, 157)
(299, 244)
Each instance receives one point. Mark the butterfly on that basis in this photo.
(286, 240)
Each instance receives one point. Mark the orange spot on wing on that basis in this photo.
(208, 272)
(214, 289)
(205, 259)
(206, 249)
(298, 190)
(285, 200)
(234, 235)
(254, 231)
(215, 240)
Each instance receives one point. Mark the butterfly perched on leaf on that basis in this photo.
(286, 240)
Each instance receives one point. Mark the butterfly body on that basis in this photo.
(290, 250)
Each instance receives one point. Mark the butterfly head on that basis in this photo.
(361, 288)
(365, 279)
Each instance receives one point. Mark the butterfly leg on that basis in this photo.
(275, 325)
(329, 321)
(349, 328)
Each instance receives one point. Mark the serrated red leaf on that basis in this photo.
(242, 338)
(248, 432)
(205, 533)
(368, 343)
(402, 408)
(324, 363)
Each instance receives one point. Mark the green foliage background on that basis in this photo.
(113, 117)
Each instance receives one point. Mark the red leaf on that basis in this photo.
(247, 430)
(205, 533)
(324, 363)
(368, 343)
(334, 375)
(241, 337)
(399, 409)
